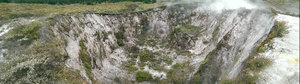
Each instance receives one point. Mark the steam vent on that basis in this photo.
(149, 41)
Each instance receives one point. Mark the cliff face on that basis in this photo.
(174, 44)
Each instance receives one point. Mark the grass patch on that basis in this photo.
(88, 2)
(13, 10)
(143, 76)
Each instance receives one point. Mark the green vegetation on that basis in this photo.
(189, 29)
(176, 66)
(120, 38)
(85, 58)
(117, 80)
(216, 32)
(227, 81)
(198, 79)
(69, 76)
(142, 36)
(278, 30)
(167, 60)
(261, 49)
(30, 31)
(146, 56)
(130, 66)
(143, 76)
(179, 38)
(89, 2)
(258, 64)
(134, 49)
(12, 10)
(177, 74)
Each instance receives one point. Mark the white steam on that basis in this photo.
(220, 5)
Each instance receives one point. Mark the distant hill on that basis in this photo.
(89, 2)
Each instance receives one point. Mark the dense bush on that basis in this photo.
(143, 76)
(29, 32)
(89, 2)
(32, 31)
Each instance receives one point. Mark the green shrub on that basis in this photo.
(280, 28)
(81, 44)
(141, 64)
(132, 68)
(118, 80)
(167, 60)
(176, 76)
(120, 38)
(134, 49)
(143, 76)
(120, 42)
(120, 35)
(30, 32)
(112, 47)
(249, 79)
(189, 29)
(228, 81)
(258, 64)
(261, 49)
(146, 56)
(176, 66)
(197, 79)
(85, 59)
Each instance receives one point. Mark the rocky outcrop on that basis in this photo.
(169, 42)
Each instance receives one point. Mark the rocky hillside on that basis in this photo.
(181, 43)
